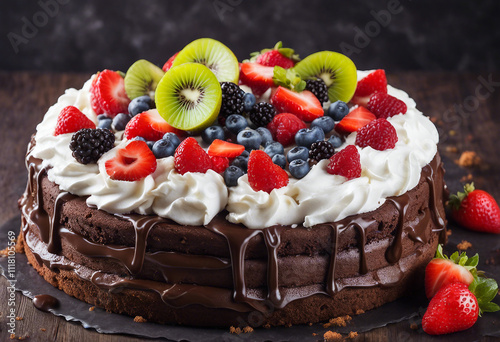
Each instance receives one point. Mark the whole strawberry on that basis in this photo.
(277, 56)
(190, 157)
(476, 210)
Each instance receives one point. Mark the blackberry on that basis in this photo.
(318, 88)
(262, 113)
(320, 150)
(232, 100)
(88, 145)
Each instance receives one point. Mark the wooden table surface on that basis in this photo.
(466, 108)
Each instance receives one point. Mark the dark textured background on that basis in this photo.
(91, 35)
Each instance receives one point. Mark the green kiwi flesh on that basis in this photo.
(142, 79)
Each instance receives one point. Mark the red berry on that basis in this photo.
(453, 308)
(219, 164)
(379, 134)
(169, 62)
(149, 125)
(375, 82)
(385, 105)
(476, 210)
(223, 148)
(71, 120)
(275, 58)
(284, 127)
(131, 163)
(304, 104)
(354, 120)
(190, 157)
(258, 77)
(263, 174)
(107, 94)
(345, 163)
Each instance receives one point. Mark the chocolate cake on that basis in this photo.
(224, 272)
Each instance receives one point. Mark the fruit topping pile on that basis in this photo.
(272, 116)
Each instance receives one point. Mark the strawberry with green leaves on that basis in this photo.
(476, 210)
(277, 56)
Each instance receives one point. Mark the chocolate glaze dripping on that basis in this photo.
(45, 302)
(238, 237)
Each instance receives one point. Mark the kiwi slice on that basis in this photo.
(213, 54)
(188, 97)
(337, 70)
(142, 78)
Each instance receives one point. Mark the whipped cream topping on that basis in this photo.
(195, 198)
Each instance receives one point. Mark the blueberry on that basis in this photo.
(105, 123)
(140, 104)
(299, 168)
(266, 135)
(245, 154)
(150, 144)
(335, 140)
(236, 123)
(307, 136)
(211, 133)
(120, 121)
(241, 162)
(163, 148)
(337, 110)
(249, 138)
(173, 138)
(298, 152)
(103, 116)
(279, 159)
(248, 101)
(326, 123)
(274, 148)
(232, 174)
(140, 138)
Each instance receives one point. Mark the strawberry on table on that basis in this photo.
(131, 163)
(258, 77)
(221, 148)
(354, 120)
(190, 157)
(107, 94)
(149, 125)
(476, 210)
(284, 127)
(277, 56)
(71, 120)
(385, 105)
(263, 174)
(375, 82)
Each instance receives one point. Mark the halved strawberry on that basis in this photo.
(442, 271)
(149, 125)
(190, 157)
(107, 94)
(131, 163)
(258, 77)
(304, 104)
(263, 174)
(219, 164)
(71, 120)
(354, 120)
(367, 86)
(221, 148)
(168, 63)
(284, 127)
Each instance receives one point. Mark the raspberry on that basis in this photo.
(88, 145)
(385, 105)
(71, 120)
(284, 127)
(318, 88)
(232, 100)
(320, 150)
(263, 174)
(190, 157)
(378, 134)
(262, 113)
(346, 163)
(219, 164)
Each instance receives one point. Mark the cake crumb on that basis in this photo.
(338, 321)
(469, 159)
(464, 245)
(267, 326)
(466, 179)
(19, 318)
(288, 325)
(140, 319)
(43, 329)
(448, 232)
(237, 331)
(247, 329)
(92, 308)
(310, 324)
(332, 336)
(451, 149)
(490, 261)
(23, 337)
(12, 336)
(413, 326)
(314, 334)
(4, 252)
(360, 311)
(352, 334)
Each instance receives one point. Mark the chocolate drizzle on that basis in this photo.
(45, 302)
(172, 264)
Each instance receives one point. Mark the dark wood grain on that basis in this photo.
(466, 120)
